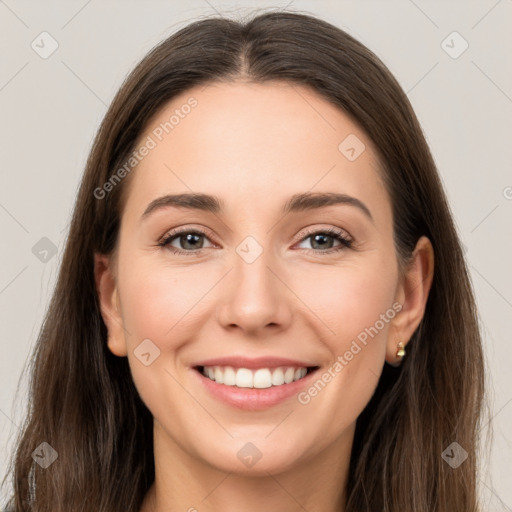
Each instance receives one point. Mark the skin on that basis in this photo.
(254, 146)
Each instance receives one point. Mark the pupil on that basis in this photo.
(322, 237)
(316, 238)
(188, 237)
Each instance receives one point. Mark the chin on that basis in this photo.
(258, 457)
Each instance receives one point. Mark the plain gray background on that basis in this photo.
(51, 108)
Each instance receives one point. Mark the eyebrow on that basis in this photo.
(297, 203)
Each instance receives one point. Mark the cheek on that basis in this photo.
(349, 299)
(159, 304)
(157, 299)
(355, 302)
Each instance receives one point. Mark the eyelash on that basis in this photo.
(346, 243)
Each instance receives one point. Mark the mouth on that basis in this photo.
(255, 378)
(256, 388)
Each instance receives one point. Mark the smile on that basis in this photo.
(253, 384)
(259, 378)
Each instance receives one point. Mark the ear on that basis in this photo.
(106, 286)
(412, 294)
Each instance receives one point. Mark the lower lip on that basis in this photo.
(254, 399)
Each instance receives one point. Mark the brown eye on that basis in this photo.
(190, 241)
(322, 241)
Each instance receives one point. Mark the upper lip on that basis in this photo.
(258, 362)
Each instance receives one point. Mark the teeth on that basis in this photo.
(277, 377)
(244, 378)
(262, 378)
(289, 375)
(259, 379)
(219, 375)
(229, 376)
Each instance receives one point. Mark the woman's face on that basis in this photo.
(261, 288)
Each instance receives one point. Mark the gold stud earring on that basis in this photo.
(400, 352)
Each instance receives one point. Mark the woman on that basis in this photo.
(263, 303)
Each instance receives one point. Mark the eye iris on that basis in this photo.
(321, 236)
(187, 238)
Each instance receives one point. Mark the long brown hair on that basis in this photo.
(83, 402)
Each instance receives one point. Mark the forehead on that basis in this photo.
(262, 141)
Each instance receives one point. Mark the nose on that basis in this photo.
(256, 298)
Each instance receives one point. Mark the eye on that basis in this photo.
(189, 239)
(320, 238)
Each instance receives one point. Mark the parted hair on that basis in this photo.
(82, 399)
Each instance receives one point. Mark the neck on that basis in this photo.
(184, 483)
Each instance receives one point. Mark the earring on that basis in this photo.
(400, 352)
